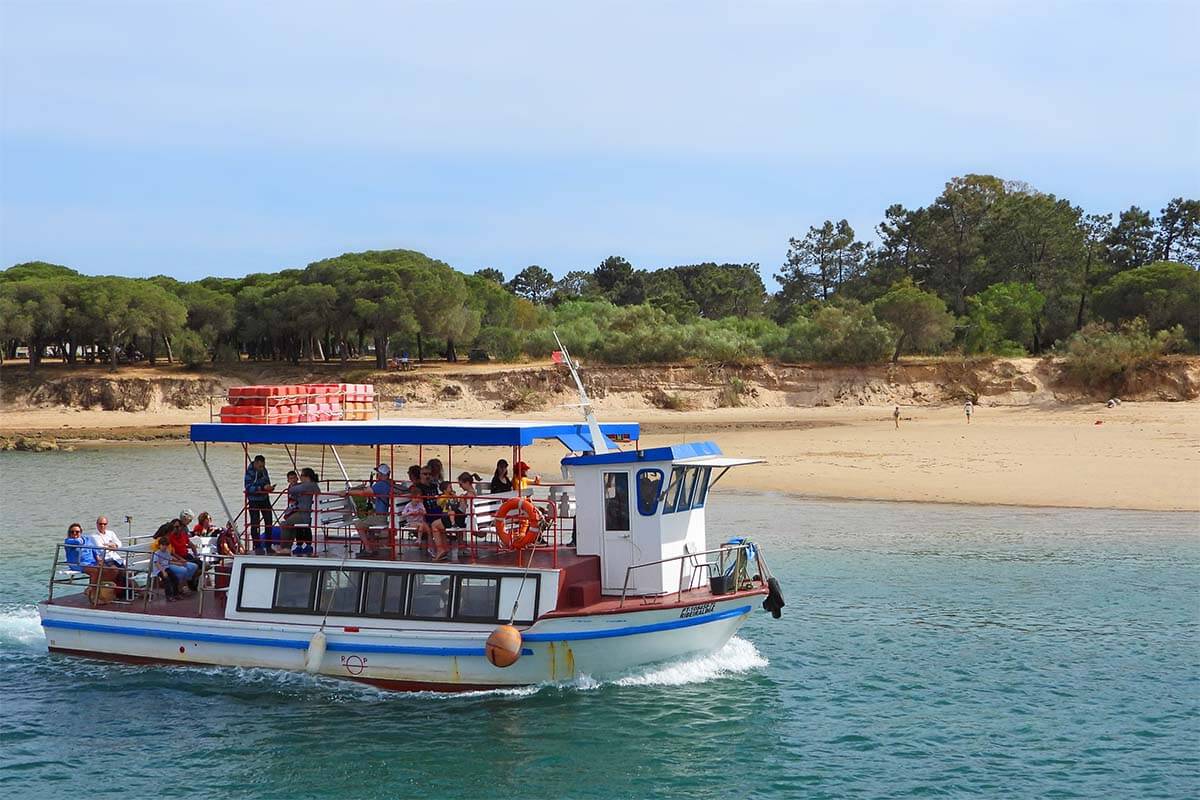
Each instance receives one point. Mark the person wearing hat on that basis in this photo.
(521, 480)
(258, 487)
(376, 524)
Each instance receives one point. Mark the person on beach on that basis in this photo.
(968, 409)
(501, 482)
(257, 483)
(896, 416)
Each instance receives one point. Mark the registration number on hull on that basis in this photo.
(696, 611)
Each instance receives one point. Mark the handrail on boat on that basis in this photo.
(707, 565)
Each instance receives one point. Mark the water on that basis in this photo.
(925, 651)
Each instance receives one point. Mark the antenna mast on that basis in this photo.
(599, 443)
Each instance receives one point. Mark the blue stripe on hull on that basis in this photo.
(671, 624)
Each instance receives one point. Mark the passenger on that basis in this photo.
(379, 517)
(462, 505)
(94, 563)
(500, 480)
(229, 543)
(182, 547)
(204, 525)
(413, 512)
(296, 525)
(74, 546)
(108, 544)
(257, 482)
(521, 479)
(435, 517)
(414, 478)
(436, 471)
(173, 570)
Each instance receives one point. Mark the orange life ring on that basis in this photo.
(526, 531)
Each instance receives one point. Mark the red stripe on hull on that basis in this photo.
(389, 685)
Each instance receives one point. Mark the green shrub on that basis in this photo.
(848, 334)
(1100, 357)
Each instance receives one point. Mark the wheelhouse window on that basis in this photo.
(477, 598)
(689, 490)
(649, 487)
(673, 490)
(616, 501)
(430, 596)
(340, 591)
(294, 589)
(702, 489)
(385, 594)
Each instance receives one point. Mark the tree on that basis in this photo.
(954, 238)
(1001, 319)
(612, 272)
(721, 290)
(534, 283)
(490, 273)
(576, 285)
(1037, 238)
(822, 261)
(919, 320)
(1131, 241)
(39, 312)
(1178, 234)
(1095, 229)
(1164, 294)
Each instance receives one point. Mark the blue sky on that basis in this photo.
(193, 138)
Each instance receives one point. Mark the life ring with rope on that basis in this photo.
(525, 532)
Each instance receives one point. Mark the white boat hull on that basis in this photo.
(555, 649)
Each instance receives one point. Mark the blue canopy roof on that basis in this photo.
(482, 432)
(675, 452)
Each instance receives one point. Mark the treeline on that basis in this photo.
(988, 267)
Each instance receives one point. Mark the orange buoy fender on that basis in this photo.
(503, 646)
(525, 531)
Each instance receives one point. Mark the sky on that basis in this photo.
(211, 138)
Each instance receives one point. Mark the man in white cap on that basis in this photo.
(377, 523)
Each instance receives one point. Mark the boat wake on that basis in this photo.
(736, 657)
(21, 627)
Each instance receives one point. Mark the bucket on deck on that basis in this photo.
(721, 584)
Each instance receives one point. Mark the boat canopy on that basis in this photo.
(481, 432)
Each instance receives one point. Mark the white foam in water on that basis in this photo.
(21, 625)
(737, 656)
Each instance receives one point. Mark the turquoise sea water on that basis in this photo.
(926, 651)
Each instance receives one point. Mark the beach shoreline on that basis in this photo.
(1137, 456)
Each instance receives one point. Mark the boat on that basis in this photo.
(598, 574)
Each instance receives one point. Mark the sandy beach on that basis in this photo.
(1136, 456)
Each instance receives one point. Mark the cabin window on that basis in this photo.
(294, 589)
(673, 490)
(689, 490)
(385, 594)
(649, 486)
(616, 501)
(430, 596)
(477, 598)
(702, 489)
(340, 591)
